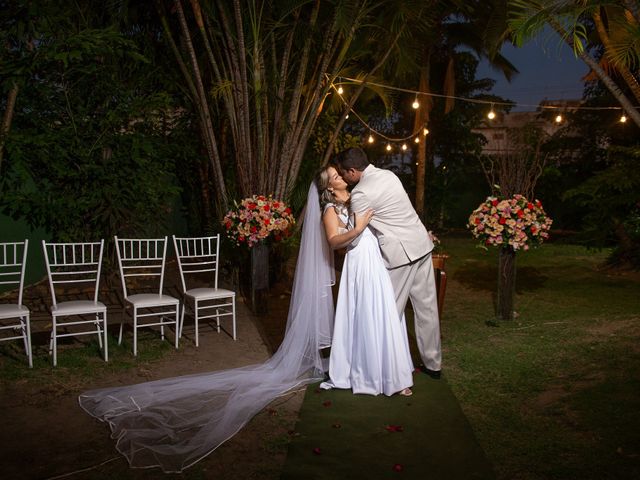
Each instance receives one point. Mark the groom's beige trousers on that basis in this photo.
(416, 281)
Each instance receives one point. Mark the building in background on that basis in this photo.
(549, 118)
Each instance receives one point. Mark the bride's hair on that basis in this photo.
(322, 183)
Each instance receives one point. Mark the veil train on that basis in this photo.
(175, 422)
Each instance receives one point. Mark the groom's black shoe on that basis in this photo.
(435, 374)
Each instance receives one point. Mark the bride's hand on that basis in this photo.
(363, 219)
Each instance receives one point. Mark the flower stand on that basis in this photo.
(253, 278)
(506, 282)
(439, 262)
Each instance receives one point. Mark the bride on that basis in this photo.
(370, 349)
(173, 423)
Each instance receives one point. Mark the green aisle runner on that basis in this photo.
(425, 436)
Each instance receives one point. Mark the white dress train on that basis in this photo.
(370, 348)
(175, 422)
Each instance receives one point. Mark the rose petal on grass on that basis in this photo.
(397, 467)
(326, 403)
(393, 428)
(317, 451)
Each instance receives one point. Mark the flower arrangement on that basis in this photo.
(257, 218)
(515, 221)
(437, 244)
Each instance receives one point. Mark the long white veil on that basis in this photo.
(175, 422)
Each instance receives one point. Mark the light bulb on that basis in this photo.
(417, 140)
(370, 138)
(404, 146)
(558, 118)
(346, 116)
(491, 115)
(425, 131)
(340, 90)
(388, 147)
(415, 104)
(623, 118)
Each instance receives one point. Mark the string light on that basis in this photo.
(371, 138)
(491, 115)
(475, 100)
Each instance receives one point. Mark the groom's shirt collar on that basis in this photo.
(369, 168)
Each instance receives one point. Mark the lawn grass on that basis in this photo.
(555, 392)
(80, 361)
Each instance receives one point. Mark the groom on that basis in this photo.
(404, 243)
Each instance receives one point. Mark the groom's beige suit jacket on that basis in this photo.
(401, 235)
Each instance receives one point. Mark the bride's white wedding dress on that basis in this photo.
(370, 348)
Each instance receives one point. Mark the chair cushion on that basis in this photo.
(76, 307)
(151, 300)
(10, 310)
(209, 293)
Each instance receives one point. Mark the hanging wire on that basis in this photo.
(371, 129)
(477, 100)
(415, 135)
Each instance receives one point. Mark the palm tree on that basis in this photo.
(617, 36)
(479, 26)
(258, 74)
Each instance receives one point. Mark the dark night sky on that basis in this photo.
(548, 70)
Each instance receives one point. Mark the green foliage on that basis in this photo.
(91, 150)
(591, 181)
(611, 200)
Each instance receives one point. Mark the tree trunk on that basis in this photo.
(420, 122)
(205, 115)
(506, 282)
(7, 117)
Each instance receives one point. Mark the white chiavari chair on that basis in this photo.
(68, 266)
(198, 256)
(14, 317)
(144, 260)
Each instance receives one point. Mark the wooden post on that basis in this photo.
(506, 282)
(259, 278)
